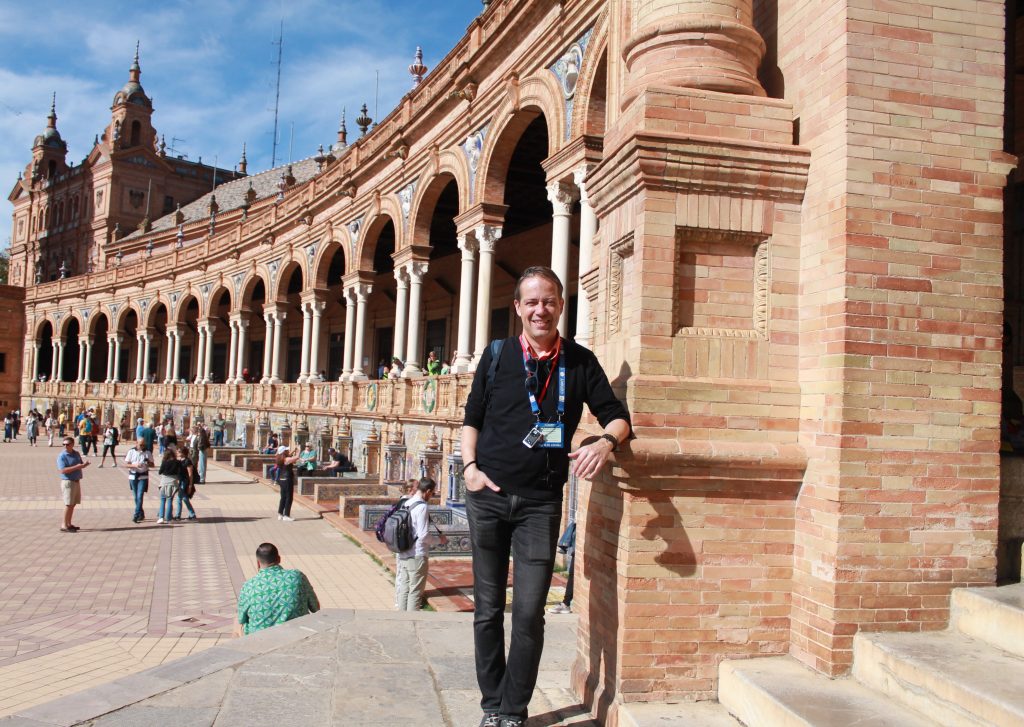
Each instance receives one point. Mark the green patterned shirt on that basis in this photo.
(275, 595)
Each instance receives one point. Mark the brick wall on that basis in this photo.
(900, 310)
(12, 344)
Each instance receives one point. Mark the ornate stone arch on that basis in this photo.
(147, 318)
(596, 52)
(94, 316)
(37, 329)
(324, 255)
(65, 321)
(216, 290)
(423, 212)
(370, 233)
(278, 288)
(119, 314)
(537, 96)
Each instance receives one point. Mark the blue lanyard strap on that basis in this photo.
(561, 389)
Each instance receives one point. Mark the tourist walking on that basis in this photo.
(401, 575)
(9, 427)
(186, 485)
(567, 547)
(62, 422)
(285, 479)
(111, 437)
(70, 465)
(51, 427)
(515, 444)
(170, 474)
(32, 428)
(139, 460)
(218, 430)
(414, 562)
(274, 595)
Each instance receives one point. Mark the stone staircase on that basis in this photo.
(970, 674)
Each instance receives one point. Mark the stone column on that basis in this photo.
(84, 344)
(110, 360)
(362, 291)
(486, 236)
(242, 325)
(200, 352)
(140, 353)
(168, 354)
(115, 374)
(210, 328)
(417, 271)
(401, 312)
(307, 327)
(275, 376)
(268, 342)
(58, 352)
(87, 364)
(229, 378)
(175, 354)
(588, 228)
(148, 348)
(465, 345)
(317, 307)
(35, 360)
(350, 333)
(561, 196)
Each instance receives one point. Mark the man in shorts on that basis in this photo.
(70, 465)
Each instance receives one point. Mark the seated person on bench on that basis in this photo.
(338, 462)
(307, 458)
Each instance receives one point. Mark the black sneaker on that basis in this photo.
(490, 720)
(512, 722)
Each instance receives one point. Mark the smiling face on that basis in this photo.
(539, 308)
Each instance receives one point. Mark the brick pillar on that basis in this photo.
(702, 44)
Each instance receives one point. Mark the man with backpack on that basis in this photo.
(516, 445)
(407, 533)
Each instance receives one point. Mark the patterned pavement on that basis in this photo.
(78, 610)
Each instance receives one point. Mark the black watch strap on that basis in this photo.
(611, 438)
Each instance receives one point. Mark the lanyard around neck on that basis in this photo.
(534, 407)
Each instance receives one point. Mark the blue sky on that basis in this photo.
(210, 68)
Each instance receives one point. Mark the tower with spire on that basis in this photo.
(131, 122)
(67, 214)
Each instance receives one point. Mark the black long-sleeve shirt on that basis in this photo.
(505, 419)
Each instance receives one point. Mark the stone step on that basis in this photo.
(993, 615)
(954, 679)
(779, 690)
(693, 714)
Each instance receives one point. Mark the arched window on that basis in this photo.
(51, 169)
(136, 133)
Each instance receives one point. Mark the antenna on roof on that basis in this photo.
(376, 99)
(277, 93)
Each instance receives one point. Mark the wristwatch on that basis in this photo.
(611, 438)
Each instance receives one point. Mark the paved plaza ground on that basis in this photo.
(79, 610)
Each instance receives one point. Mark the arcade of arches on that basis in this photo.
(793, 287)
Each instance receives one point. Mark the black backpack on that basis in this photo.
(378, 527)
(398, 534)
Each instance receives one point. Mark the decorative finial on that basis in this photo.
(417, 69)
(163, 146)
(181, 236)
(119, 256)
(52, 118)
(149, 248)
(342, 131)
(135, 61)
(243, 164)
(363, 121)
(64, 271)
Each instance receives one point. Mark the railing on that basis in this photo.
(437, 398)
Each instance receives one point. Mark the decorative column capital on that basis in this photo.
(402, 276)
(579, 177)
(469, 247)
(487, 237)
(362, 291)
(417, 271)
(173, 330)
(561, 196)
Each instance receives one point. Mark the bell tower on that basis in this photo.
(131, 122)
(49, 150)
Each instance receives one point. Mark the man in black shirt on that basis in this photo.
(515, 442)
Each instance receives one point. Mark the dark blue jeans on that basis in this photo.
(139, 490)
(500, 524)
